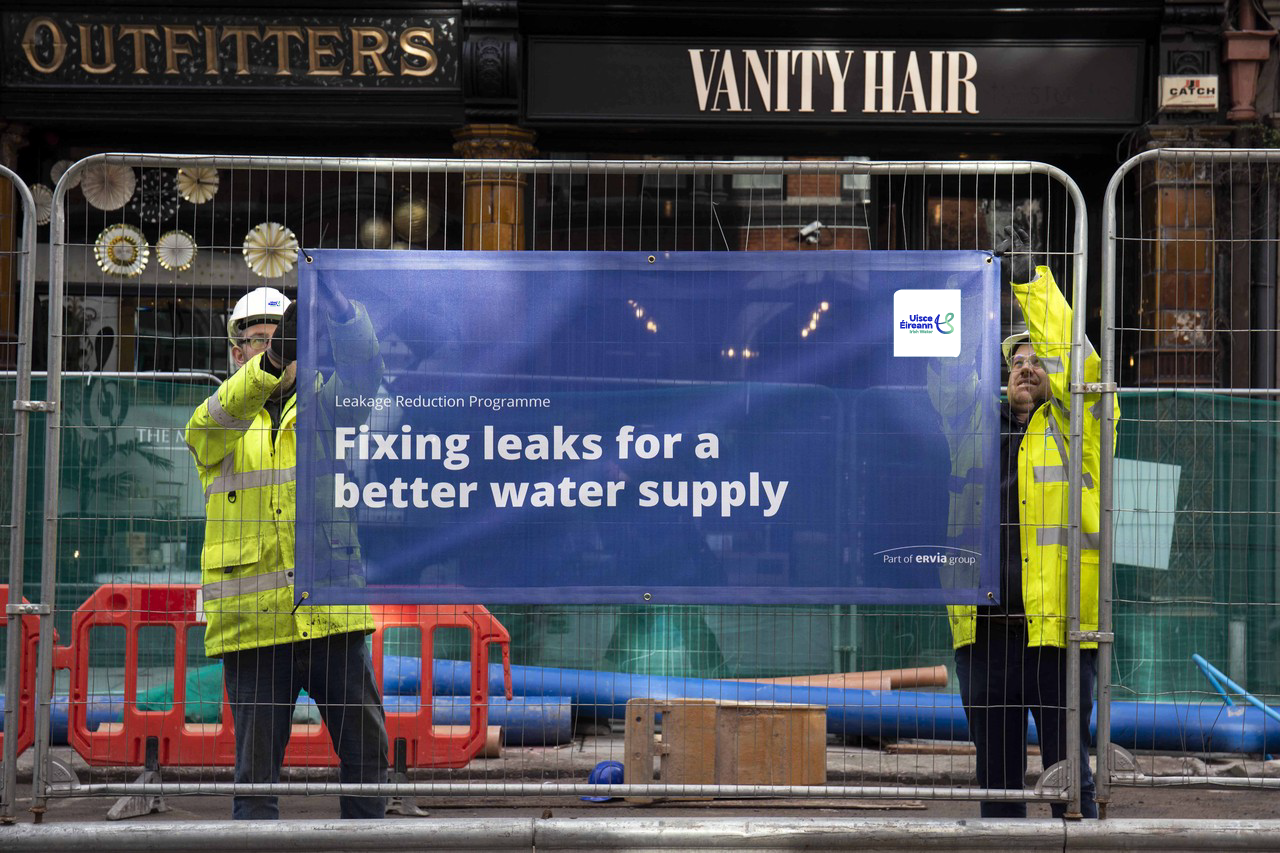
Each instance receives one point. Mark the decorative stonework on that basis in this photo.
(491, 60)
(13, 138)
(1244, 52)
(494, 142)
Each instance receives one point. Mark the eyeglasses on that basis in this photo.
(1024, 361)
(257, 342)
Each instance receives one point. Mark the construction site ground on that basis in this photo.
(1148, 796)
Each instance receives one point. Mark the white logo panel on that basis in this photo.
(926, 323)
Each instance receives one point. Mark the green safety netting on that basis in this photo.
(1196, 496)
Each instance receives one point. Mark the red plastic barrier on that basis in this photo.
(424, 746)
(25, 729)
(133, 607)
(309, 745)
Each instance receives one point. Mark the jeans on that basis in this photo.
(1001, 679)
(263, 685)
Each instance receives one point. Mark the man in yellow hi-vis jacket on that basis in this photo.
(1011, 657)
(243, 441)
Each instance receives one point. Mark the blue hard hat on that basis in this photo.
(605, 773)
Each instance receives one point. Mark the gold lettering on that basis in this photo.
(839, 73)
(210, 51)
(361, 50)
(912, 85)
(807, 59)
(762, 73)
(317, 52)
(782, 92)
(282, 36)
(935, 81)
(172, 50)
(963, 78)
(885, 87)
(418, 41)
(57, 42)
(139, 36)
(701, 81)
(241, 36)
(86, 50)
(728, 85)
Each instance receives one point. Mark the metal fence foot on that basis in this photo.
(137, 806)
(399, 773)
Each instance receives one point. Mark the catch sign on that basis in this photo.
(591, 427)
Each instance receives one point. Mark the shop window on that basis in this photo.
(749, 181)
(180, 335)
(856, 187)
(91, 334)
(666, 183)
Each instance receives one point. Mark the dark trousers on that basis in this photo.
(1001, 679)
(263, 685)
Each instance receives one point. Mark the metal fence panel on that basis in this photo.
(17, 265)
(1190, 322)
(148, 254)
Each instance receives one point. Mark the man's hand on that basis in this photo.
(1015, 249)
(336, 306)
(283, 349)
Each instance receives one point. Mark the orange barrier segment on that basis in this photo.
(25, 726)
(133, 607)
(425, 745)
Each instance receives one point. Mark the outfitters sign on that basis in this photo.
(762, 427)
(727, 82)
(174, 49)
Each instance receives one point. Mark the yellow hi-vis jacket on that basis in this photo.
(248, 475)
(1043, 480)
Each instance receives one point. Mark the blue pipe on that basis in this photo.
(1217, 685)
(1214, 674)
(1179, 727)
(525, 721)
(98, 710)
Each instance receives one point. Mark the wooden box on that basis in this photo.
(707, 742)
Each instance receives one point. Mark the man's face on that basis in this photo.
(1028, 383)
(252, 341)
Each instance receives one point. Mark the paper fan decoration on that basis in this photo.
(197, 184)
(44, 203)
(58, 169)
(270, 249)
(155, 200)
(175, 250)
(122, 250)
(108, 186)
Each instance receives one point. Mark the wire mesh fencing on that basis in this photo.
(1190, 263)
(19, 214)
(150, 255)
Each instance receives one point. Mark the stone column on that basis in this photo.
(1177, 293)
(493, 199)
(1244, 51)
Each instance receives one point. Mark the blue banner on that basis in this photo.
(556, 427)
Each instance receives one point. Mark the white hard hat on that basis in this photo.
(1010, 345)
(262, 305)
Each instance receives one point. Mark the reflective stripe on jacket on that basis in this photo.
(1042, 480)
(249, 481)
